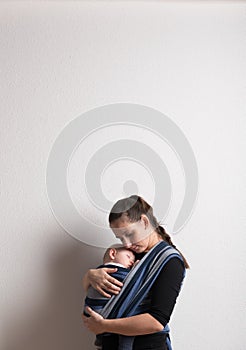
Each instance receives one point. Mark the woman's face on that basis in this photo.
(137, 236)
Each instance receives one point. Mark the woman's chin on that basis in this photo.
(137, 249)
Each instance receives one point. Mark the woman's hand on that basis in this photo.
(102, 281)
(130, 326)
(95, 323)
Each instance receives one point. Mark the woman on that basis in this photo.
(132, 221)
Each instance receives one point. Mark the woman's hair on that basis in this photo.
(133, 207)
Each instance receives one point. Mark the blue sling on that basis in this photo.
(137, 284)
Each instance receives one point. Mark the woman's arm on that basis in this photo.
(131, 326)
(165, 291)
(101, 281)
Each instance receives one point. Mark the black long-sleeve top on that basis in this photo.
(165, 290)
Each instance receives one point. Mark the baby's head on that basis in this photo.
(117, 253)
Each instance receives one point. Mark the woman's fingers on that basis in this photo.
(95, 322)
(111, 284)
(102, 292)
(103, 282)
(111, 279)
(116, 283)
(93, 313)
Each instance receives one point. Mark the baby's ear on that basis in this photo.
(112, 253)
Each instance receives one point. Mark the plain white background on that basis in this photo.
(60, 59)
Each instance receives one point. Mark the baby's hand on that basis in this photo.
(136, 262)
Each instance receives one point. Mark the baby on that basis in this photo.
(115, 256)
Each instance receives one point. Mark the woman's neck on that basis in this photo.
(154, 238)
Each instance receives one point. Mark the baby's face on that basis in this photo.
(125, 257)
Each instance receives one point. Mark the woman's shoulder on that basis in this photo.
(173, 270)
(171, 275)
(175, 263)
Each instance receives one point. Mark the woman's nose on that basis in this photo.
(127, 244)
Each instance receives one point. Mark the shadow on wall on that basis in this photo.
(56, 323)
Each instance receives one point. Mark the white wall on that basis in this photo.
(60, 59)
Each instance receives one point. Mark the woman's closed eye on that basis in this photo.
(129, 234)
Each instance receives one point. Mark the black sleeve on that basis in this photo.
(165, 290)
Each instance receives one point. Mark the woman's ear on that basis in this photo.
(145, 220)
